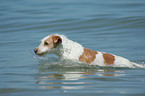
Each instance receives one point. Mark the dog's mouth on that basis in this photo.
(37, 52)
(42, 54)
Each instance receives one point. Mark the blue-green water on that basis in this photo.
(113, 26)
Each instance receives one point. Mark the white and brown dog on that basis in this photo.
(67, 49)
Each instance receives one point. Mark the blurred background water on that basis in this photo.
(113, 26)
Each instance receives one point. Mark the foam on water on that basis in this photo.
(38, 57)
(51, 61)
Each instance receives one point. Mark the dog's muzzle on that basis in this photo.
(36, 50)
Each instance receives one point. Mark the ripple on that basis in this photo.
(112, 26)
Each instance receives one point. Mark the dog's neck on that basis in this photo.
(68, 49)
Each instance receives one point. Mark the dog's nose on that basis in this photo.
(35, 50)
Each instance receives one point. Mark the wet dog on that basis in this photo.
(68, 49)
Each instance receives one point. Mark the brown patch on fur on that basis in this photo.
(53, 41)
(56, 40)
(88, 56)
(108, 58)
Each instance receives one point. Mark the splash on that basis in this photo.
(52, 61)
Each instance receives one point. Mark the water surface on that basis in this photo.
(113, 26)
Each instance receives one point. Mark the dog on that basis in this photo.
(68, 49)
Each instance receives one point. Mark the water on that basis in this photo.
(113, 26)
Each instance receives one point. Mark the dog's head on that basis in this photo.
(48, 44)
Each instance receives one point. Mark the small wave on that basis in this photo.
(55, 62)
(43, 59)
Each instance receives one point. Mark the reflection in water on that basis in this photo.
(113, 26)
(70, 76)
(67, 80)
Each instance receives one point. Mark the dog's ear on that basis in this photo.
(57, 40)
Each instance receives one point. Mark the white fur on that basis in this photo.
(122, 62)
(42, 48)
(69, 49)
(99, 59)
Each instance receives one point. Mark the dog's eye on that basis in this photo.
(46, 43)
